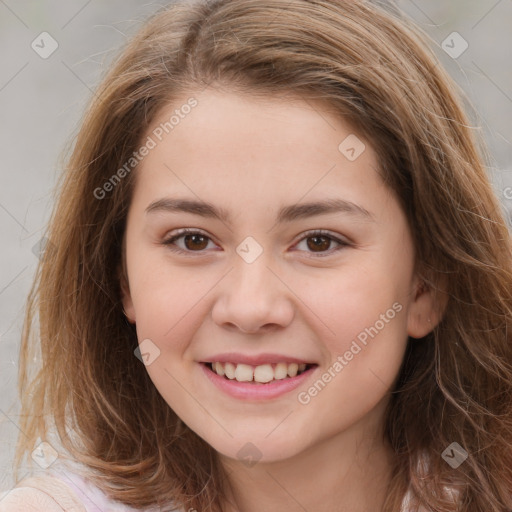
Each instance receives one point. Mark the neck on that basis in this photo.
(348, 472)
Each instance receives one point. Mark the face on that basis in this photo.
(263, 285)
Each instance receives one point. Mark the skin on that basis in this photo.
(251, 157)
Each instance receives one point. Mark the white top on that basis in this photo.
(62, 490)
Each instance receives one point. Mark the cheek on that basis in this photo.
(363, 311)
(169, 311)
(353, 299)
(165, 306)
(170, 301)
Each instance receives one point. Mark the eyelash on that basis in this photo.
(309, 234)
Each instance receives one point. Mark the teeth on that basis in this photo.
(244, 373)
(218, 368)
(263, 373)
(293, 369)
(229, 370)
(281, 371)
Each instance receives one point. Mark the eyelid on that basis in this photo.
(339, 239)
(168, 241)
(320, 232)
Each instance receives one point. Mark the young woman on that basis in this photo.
(278, 278)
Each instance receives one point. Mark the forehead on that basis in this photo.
(224, 126)
(230, 146)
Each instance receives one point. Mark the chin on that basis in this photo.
(256, 450)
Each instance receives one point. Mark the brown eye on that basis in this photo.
(190, 241)
(319, 243)
(196, 241)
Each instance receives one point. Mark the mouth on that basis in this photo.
(263, 374)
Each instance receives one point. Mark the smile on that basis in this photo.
(257, 382)
(261, 374)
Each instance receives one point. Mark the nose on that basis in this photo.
(253, 298)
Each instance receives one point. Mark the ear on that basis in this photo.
(126, 297)
(425, 310)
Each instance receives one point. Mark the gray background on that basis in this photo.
(42, 100)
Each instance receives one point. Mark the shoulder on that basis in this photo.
(40, 494)
(27, 499)
(63, 489)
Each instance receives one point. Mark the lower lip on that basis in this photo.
(248, 391)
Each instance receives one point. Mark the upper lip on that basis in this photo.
(254, 360)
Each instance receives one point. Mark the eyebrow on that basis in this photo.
(286, 214)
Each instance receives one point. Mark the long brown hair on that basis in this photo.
(376, 71)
